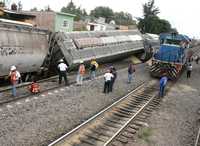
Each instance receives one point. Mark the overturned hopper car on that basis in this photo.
(23, 46)
(102, 45)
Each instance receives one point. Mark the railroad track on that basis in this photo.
(47, 85)
(116, 123)
(197, 141)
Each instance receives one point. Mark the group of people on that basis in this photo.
(62, 69)
(15, 78)
(109, 77)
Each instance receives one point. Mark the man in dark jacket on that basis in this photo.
(114, 73)
(131, 70)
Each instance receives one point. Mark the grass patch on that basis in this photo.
(145, 134)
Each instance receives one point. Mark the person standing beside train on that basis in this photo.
(81, 73)
(14, 79)
(93, 68)
(107, 81)
(62, 68)
(189, 70)
(113, 71)
(131, 70)
(163, 82)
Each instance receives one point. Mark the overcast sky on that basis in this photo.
(182, 14)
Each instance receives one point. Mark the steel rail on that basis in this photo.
(197, 139)
(95, 116)
(127, 123)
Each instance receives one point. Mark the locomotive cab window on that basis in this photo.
(172, 42)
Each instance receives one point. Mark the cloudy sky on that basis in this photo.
(182, 14)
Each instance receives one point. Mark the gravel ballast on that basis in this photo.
(176, 121)
(40, 119)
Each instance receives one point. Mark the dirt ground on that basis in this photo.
(175, 123)
(37, 120)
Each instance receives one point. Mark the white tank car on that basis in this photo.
(22, 46)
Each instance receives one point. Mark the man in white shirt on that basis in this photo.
(107, 77)
(62, 68)
(189, 70)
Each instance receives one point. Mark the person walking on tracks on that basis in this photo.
(81, 73)
(131, 70)
(163, 82)
(14, 78)
(93, 67)
(62, 67)
(114, 73)
(189, 70)
(107, 81)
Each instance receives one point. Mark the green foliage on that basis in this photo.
(149, 9)
(105, 12)
(34, 9)
(2, 4)
(145, 134)
(73, 9)
(48, 9)
(151, 23)
(122, 18)
(154, 24)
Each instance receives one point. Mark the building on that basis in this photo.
(100, 25)
(54, 21)
(18, 16)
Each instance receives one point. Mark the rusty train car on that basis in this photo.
(23, 46)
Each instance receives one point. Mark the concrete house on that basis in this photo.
(54, 21)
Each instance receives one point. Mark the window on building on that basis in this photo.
(65, 24)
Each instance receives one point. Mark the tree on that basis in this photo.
(2, 4)
(34, 9)
(14, 7)
(104, 12)
(48, 9)
(149, 9)
(20, 6)
(73, 9)
(151, 23)
(122, 18)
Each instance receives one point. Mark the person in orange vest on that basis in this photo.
(14, 78)
(81, 73)
(34, 87)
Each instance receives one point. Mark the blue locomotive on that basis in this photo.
(171, 56)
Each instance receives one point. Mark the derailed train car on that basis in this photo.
(28, 47)
(23, 46)
(171, 56)
(151, 45)
(102, 45)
